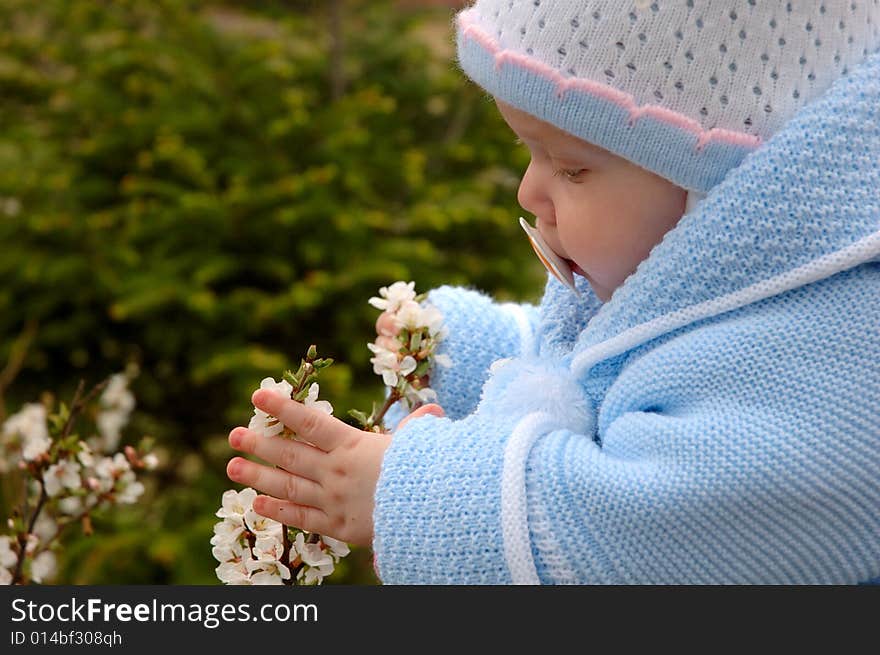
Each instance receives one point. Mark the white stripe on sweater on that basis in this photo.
(859, 252)
(514, 512)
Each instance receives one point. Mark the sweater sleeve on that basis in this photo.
(744, 450)
(479, 331)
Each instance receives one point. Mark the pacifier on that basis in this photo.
(553, 262)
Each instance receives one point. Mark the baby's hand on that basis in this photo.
(385, 325)
(325, 485)
(327, 477)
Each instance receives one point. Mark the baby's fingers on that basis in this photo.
(293, 456)
(299, 516)
(386, 325)
(275, 482)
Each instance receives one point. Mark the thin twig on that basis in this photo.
(393, 397)
(23, 537)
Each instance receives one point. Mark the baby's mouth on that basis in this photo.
(575, 268)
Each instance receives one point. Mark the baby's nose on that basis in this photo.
(531, 195)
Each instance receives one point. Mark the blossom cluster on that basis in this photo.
(404, 352)
(117, 403)
(66, 477)
(251, 547)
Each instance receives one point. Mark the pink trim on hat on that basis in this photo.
(468, 26)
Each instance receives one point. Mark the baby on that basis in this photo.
(700, 403)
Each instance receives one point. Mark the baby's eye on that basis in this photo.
(571, 174)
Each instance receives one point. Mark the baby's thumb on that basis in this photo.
(431, 408)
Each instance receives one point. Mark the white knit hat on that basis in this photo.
(684, 88)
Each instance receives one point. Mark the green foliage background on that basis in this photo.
(180, 188)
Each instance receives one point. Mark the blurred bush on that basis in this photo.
(181, 187)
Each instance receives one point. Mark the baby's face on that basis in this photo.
(595, 209)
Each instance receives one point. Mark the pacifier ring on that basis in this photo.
(557, 266)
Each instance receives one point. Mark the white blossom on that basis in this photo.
(312, 400)
(229, 550)
(394, 296)
(315, 574)
(8, 557)
(409, 316)
(259, 524)
(117, 403)
(419, 396)
(311, 554)
(30, 546)
(85, 455)
(227, 530)
(5, 577)
(318, 563)
(130, 489)
(110, 424)
(268, 547)
(267, 572)
(338, 549)
(433, 320)
(112, 467)
(64, 473)
(43, 566)
(71, 505)
(150, 461)
(30, 424)
(45, 527)
(234, 573)
(236, 503)
(387, 364)
(11, 206)
(34, 446)
(265, 424)
(116, 394)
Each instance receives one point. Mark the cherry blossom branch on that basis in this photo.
(300, 381)
(23, 536)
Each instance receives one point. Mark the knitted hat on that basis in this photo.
(683, 88)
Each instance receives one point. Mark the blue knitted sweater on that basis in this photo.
(716, 421)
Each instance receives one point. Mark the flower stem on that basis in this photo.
(23, 536)
(393, 397)
(76, 406)
(285, 552)
(304, 371)
(313, 538)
